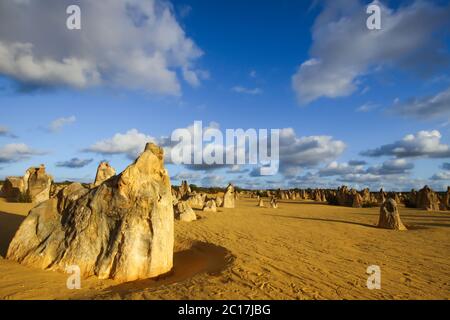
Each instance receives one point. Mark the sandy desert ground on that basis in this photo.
(302, 250)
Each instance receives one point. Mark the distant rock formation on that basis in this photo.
(13, 188)
(184, 212)
(185, 189)
(389, 216)
(219, 201)
(445, 203)
(34, 186)
(123, 229)
(274, 202)
(260, 202)
(357, 199)
(210, 206)
(104, 172)
(38, 184)
(229, 197)
(195, 200)
(427, 199)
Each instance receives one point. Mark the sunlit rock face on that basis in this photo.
(38, 184)
(104, 172)
(122, 230)
(229, 197)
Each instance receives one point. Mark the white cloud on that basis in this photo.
(344, 49)
(394, 166)
(441, 176)
(367, 107)
(303, 152)
(250, 91)
(131, 143)
(422, 144)
(132, 44)
(360, 178)
(334, 168)
(16, 152)
(58, 124)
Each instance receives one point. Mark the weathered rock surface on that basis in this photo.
(389, 216)
(123, 229)
(104, 172)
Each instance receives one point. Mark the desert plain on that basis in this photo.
(302, 250)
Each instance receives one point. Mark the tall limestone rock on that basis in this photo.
(123, 229)
(34, 186)
(185, 189)
(38, 184)
(104, 172)
(228, 197)
(389, 216)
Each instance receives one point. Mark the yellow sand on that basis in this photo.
(302, 250)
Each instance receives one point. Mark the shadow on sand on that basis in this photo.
(198, 257)
(325, 220)
(9, 223)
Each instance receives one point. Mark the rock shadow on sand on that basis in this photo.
(9, 223)
(189, 260)
(326, 220)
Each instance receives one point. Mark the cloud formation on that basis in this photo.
(132, 44)
(429, 107)
(425, 144)
(14, 152)
(5, 132)
(250, 91)
(131, 143)
(441, 176)
(394, 166)
(57, 124)
(297, 153)
(344, 49)
(74, 163)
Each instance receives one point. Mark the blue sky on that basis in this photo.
(340, 92)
